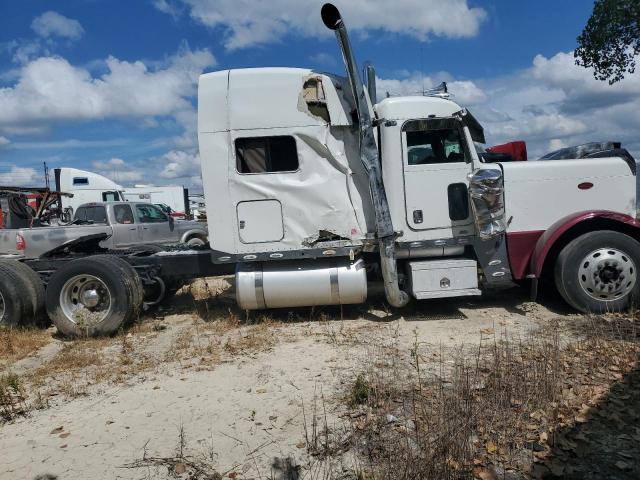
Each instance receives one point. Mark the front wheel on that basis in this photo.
(597, 272)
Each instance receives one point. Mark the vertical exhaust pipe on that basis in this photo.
(369, 156)
(370, 77)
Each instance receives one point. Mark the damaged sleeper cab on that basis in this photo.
(293, 184)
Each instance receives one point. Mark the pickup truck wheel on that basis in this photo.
(94, 296)
(15, 301)
(33, 284)
(597, 272)
(195, 242)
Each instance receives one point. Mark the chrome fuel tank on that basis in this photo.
(286, 284)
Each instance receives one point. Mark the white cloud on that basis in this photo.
(247, 22)
(51, 89)
(464, 92)
(19, 177)
(52, 24)
(167, 7)
(119, 171)
(180, 164)
(4, 141)
(556, 103)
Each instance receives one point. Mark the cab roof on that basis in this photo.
(415, 107)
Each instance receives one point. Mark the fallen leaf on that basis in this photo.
(301, 445)
(64, 435)
(56, 430)
(491, 447)
(180, 468)
(63, 446)
(484, 474)
(261, 390)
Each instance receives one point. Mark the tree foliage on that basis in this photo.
(611, 39)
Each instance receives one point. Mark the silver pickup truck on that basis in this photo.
(128, 225)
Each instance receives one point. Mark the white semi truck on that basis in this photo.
(319, 189)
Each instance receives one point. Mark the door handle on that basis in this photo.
(134, 229)
(242, 224)
(417, 216)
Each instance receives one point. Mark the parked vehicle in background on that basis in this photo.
(198, 207)
(317, 189)
(175, 197)
(84, 187)
(169, 211)
(125, 225)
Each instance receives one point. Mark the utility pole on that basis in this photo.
(46, 175)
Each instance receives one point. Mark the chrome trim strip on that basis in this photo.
(259, 289)
(335, 287)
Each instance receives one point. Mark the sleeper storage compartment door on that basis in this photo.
(443, 278)
(260, 221)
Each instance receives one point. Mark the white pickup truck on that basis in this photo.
(320, 189)
(127, 225)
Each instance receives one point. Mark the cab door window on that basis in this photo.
(150, 214)
(425, 147)
(123, 214)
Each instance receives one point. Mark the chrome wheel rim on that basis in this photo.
(2, 307)
(85, 300)
(607, 274)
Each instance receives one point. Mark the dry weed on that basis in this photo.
(485, 412)
(18, 343)
(12, 396)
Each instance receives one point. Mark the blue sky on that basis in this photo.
(110, 86)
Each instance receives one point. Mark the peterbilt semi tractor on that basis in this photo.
(315, 190)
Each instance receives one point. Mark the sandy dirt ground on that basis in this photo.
(243, 412)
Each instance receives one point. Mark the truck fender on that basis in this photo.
(571, 226)
(193, 233)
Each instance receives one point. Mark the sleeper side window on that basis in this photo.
(266, 154)
(434, 146)
(80, 181)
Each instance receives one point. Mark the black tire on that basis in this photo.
(596, 272)
(15, 300)
(196, 241)
(33, 284)
(117, 278)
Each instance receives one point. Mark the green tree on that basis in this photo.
(611, 39)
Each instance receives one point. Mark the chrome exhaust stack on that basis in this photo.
(369, 156)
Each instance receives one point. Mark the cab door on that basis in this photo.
(153, 224)
(435, 168)
(125, 231)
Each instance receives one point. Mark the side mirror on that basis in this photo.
(172, 222)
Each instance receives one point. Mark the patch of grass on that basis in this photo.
(253, 338)
(360, 391)
(18, 343)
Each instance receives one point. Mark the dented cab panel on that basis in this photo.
(289, 143)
